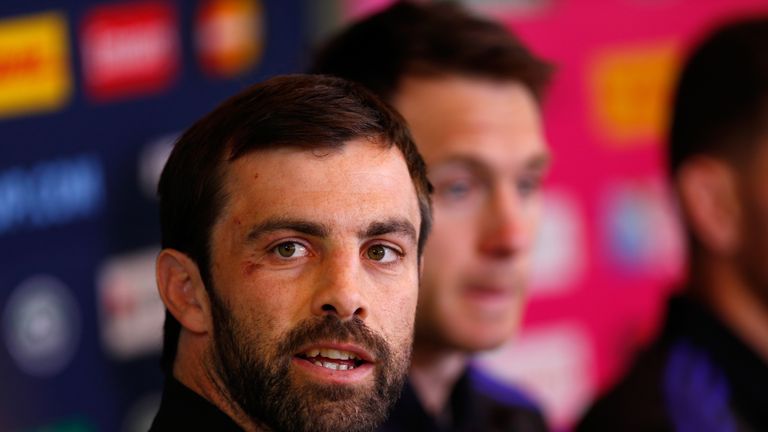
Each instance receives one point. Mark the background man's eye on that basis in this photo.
(457, 190)
(527, 186)
(377, 252)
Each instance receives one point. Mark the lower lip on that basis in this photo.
(488, 298)
(349, 376)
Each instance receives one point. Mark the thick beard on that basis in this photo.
(258, 376)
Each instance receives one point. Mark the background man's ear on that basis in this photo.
(708, 191)
(182, 290)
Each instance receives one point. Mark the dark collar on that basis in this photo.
(183, 409)
(476, 403)
(409, 414)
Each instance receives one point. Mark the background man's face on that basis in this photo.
(754, 200)
(315, 276)
(485, 151)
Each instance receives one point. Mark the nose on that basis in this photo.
(339, 288)
(505, 229)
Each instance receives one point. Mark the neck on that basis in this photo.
(728, 293)
(433, 374)
(195, 370)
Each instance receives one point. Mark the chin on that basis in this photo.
(477, 340)
(479, 345)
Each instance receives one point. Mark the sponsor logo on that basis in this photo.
(558, 256)
(641, 231)
(51, 193)
(229, 36)
(552, 364)
(130, 309)
(152, 161)
(34, 64)
(42, 326)
(631, 88)
(129, 49)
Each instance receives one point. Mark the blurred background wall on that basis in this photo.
(93, 94)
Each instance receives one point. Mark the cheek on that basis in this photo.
(396, 306)
(269, 300)
(531, 222)
(753, 199)
(450, 240)
(756, 231)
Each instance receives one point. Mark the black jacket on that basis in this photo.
(182, 409)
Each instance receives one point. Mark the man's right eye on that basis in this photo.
(290, 250)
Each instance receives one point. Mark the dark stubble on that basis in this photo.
(258, 376)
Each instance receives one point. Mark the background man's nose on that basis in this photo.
(505, 229)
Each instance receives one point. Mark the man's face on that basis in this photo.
(754, 198)
(315, 280)
(485, 151)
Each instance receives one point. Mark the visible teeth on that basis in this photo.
(329, 365)
(334, 354)
(337, 355)
(333, 366)
(330, 354)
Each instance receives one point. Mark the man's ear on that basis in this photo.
(182, 290)
(708, 190)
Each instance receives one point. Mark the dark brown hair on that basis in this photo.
(428, 39)
(720, 106)
(306, 111)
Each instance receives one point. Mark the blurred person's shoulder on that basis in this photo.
(503, 406)
(697, 375)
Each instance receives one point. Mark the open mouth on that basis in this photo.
(332, 358)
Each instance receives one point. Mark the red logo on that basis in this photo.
(129, 49)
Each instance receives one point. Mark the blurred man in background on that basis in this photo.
(293, 218)
(708, 370)
(470, 92)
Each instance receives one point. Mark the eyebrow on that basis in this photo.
(390, 226)
(539, 162)
(281, 224)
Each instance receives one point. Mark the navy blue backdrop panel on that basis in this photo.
(92, 96)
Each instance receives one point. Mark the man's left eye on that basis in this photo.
(382, 254)
(290, 250)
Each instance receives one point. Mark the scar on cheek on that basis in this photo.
(249, 267)
(236, 220)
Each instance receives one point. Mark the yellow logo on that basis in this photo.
(34, 64)
(631, 92)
